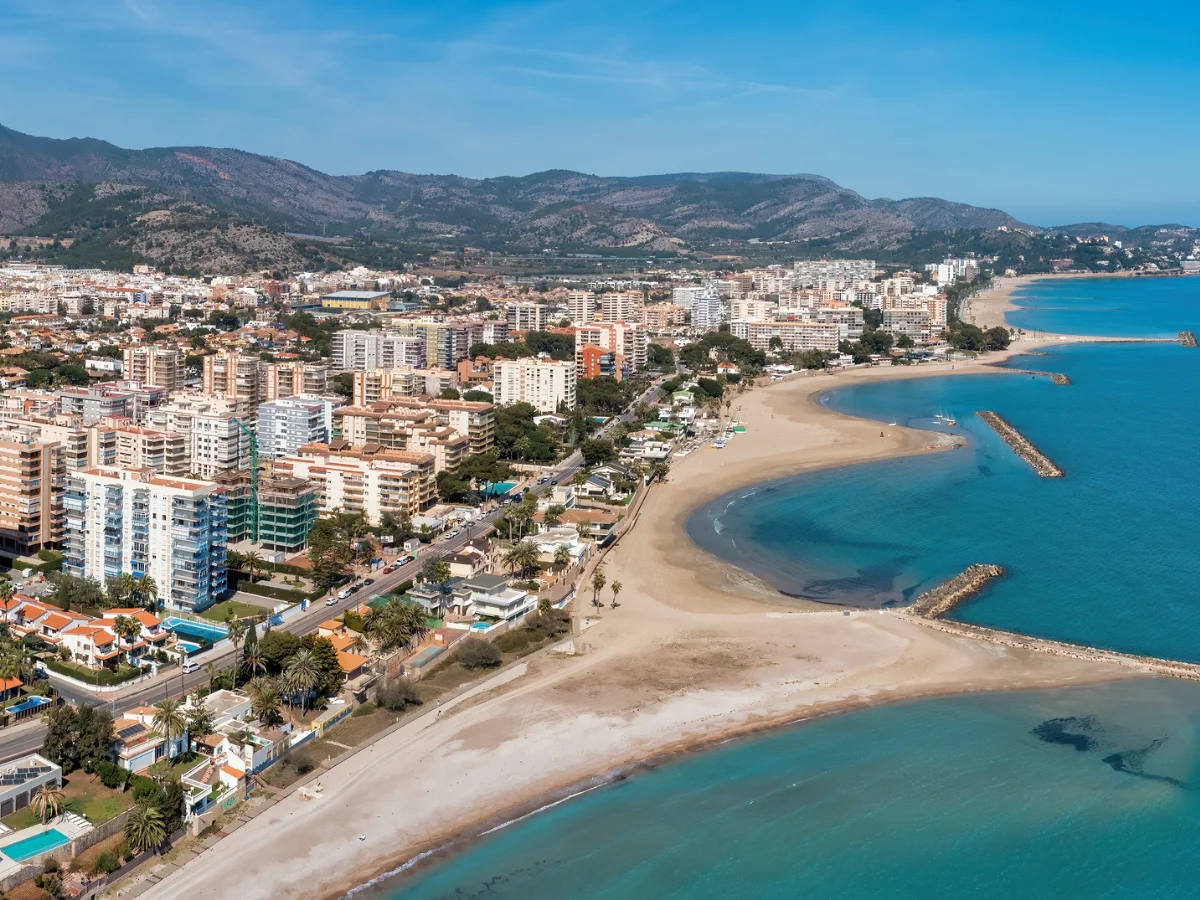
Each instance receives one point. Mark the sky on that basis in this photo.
(1054, 111)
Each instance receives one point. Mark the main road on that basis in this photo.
(19, 740)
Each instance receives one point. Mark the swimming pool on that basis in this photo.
(426, 656)
(203, 632)
(499, 488)
(32, 846)
(28, 703)
(188, 646)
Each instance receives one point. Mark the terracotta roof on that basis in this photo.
(351, 662)
(57, 621)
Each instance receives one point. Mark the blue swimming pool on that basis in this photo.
(201, 632)
(28, 703)
(500, 488)
(32, 846)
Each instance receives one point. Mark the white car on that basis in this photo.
(343, 594)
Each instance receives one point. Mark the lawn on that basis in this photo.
(232, 609)
(83, 794)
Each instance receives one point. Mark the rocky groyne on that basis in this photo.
(947, 595)
(1187, 338)
(1021, 445)
(1055, 377)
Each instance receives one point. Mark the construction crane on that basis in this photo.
(242, 426)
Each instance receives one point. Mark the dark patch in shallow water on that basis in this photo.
(985, 471)
(1069, 730)
(1130, 762)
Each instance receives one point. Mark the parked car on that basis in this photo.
(389, 569)
(368, 581)
(189, 667)
(343, 594)
(404, 561)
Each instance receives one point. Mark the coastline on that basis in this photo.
(700, 652)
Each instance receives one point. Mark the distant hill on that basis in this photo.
(50, 186)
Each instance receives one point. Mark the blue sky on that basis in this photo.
(1053, 111)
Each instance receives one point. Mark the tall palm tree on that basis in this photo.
(170, 720)
(598, 581)
(126, 585)
(237, 633)
(126, 629)
(523, 556)
(47, 801)
(253, 563)
(265, 704)
(254, 661)
(6, 595)
(562, 558)
(304, 673)
(145, 828)
(147, 589)
(212, 670)
(616, 588)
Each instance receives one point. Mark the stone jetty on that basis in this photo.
(1055, 377)
(1021, 445)
(947, 595)
(1187, 338)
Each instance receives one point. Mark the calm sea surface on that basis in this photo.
(1080, 792)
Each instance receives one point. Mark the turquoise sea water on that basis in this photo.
(1085, 792)
(1072, 793)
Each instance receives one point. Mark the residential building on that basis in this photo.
(662, 316)
(287, 509)
(370, 479)
(145, 448)
(284, 426)
(490, 597)
(547, 384)
(621, 306)
(32, 478)
(448, 429)
(525, 315)
(911, 322)
(209, 427)
(151, 364)
(139, 744)
(23, 778)
(135, 520)
(363, 351)
(794, 337)
(581, 307)
(289, 379)
(233, 377)
(405, 381)
(709, 313)
(627, 341)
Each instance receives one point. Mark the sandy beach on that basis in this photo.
(698, 651)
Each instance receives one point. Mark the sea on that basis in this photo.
(1088, 791)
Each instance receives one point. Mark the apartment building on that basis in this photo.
(911, 322)
(384, 384)
(32, 476)
(370, 480)
(111, 399)
(627, 342)
(840, 272)
(450, 430)
(145, 448)
(547, 384)
(751, 310)
(581, 307)
(287, 509)
(235, 378)
(662, 316)
(796, 337)
(210, 429)
(289, 379)
(525, 315)
(709, 313)
(621, 306)
(150, 364)
(363, 351)
(284, 426)
(135, 520)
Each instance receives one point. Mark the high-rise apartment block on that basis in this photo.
(150, 364)
(135, 520)
(547, 384)
(32, 477)
(284, 426)
(525, 315)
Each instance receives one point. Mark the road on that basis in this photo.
(24, 739)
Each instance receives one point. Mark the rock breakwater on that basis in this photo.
(947, 595)
(1021, 445)
(1187, 338)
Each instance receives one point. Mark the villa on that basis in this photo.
(139, 745)
(21, 778)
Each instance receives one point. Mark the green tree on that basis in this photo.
(554, 514)
(616, 589)
(435, 570)
(598, 581)
(47, 802)
(170, 720)
(145, 828)
(597, 451)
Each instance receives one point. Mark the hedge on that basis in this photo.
(240, 582)
(92, 676)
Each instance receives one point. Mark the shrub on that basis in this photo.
(364, 710)
(303, 762)
(107, 862)
(476, 653)
(396, 694)
(111, 775)
(125, 851)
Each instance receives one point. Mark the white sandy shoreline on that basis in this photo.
(699, 652)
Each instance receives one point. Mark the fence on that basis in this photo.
(66, 853)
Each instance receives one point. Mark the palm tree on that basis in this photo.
(359, 644)
(523, 556)
(126, 585)
(6, 595)
(145, 828)
(147, 589)
(237, 633)
(304, 673)
(212, 670)
(265, 704)
(616, 589)
(598, 582)
(170, 720)
(126, 628)
(253, 563)
(562, 558)
(554, 514)
(583, 529)
(47, 801)
(254, 661)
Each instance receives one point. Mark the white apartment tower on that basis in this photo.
(547, 384)
(526, 315)
(134, 520)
